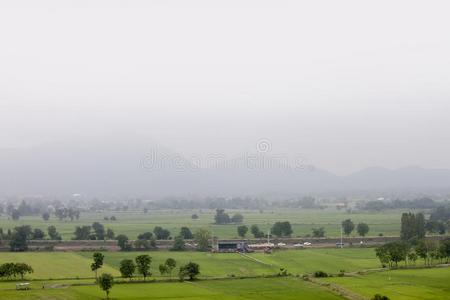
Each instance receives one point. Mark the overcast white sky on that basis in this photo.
(348, 84)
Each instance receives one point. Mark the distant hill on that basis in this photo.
(105, 167)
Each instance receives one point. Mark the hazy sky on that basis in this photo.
(347, 84)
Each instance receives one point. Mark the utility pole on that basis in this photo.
(342, 245)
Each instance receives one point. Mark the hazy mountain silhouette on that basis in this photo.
(139, 167)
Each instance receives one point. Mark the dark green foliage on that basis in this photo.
(318, 232)
(282, 229)
(379, 297)
(110, 234)
(106, 282)
(237, 218)
(202, 237)
(221, 217)
(98, 262)
(122, 242)
(82, 233)
(178, 244)
(99, 231)
(127, 268)
(190, 270)
(186, 233)
(362, 229)
(392, 253)
(145, 236)
(161, 233)
(37, 234)
(53, 234)
(46, 216)
(242, 230)
(143, 263)
(19, 238)
(257, 233)
(9, 270)
(412, 226)
(348, 226)
(320, 274)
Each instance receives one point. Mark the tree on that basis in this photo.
(143, 263)
(281, 229)
(145, 236)
(362, 229)
(99, 230)
(15, 214)
(53, 234)
(161, 233)
(379, 297)
(122, 242)
(178, 244)
(127, 268)
(237, 218)
(257, 233)
(97, 264)
(19, 238)
(221, 217)
(82, 232)
(106, 282)
(46, 216)
(186, 233)
(190, 270)
(318, 232)
(242, 230)
(412, 257)
(21, 269)
(163, 269)
(392, 253)
(37, 234)
(348, 226)
(170, 265)
(412, 226)
(110, 234)
(202, 237)
(194, 217)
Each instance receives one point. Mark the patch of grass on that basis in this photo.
(249, 289)
(408, 284)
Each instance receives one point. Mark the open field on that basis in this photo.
(58, 272)
(274, 288)
(60, 265)
(134, 223)
(410, 284)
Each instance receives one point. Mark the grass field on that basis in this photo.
(133, 223)
(412, 284)
(60, 265)
(249, 289)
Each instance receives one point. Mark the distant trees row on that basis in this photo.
(390, 254)
(19, 237)
(222, 217)
(419, 203)
(95, 232)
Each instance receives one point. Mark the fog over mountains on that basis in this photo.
(103, 167)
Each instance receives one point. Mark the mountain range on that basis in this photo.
(103, 168)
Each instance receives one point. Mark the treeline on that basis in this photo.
(431, 251)
(19, 237)
(419, 203)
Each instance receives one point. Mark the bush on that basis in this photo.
(380, 297)
(320, 274)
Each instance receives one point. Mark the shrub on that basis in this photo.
(320, 274)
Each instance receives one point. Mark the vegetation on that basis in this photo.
(106, 282)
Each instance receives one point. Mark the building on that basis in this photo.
(232, 246)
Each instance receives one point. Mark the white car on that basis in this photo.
(281, 244)
(307, 244)
(299, 245)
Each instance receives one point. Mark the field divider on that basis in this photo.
(256, 260)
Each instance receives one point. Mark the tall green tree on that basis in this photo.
(143, 263)
(362, 229)
(348, 226)
(106, 282)
(97, 263)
